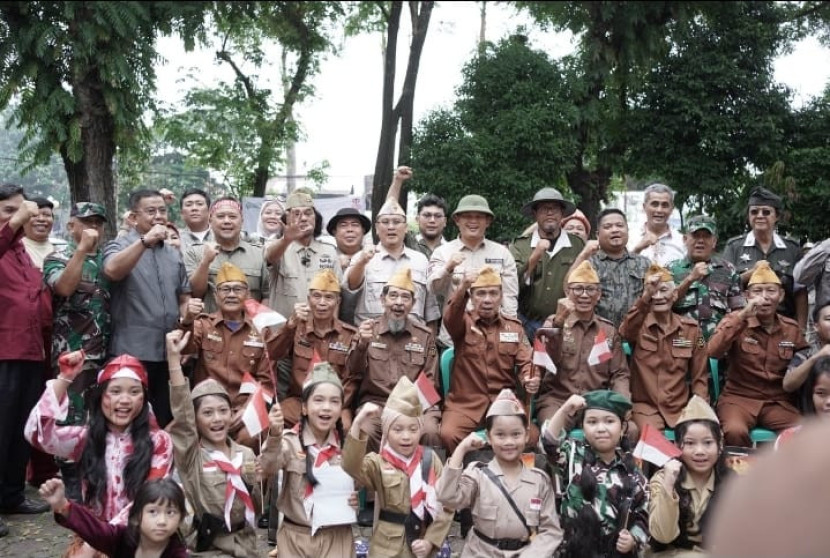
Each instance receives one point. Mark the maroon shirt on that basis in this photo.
(22, 315)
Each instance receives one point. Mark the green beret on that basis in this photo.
(607, 400)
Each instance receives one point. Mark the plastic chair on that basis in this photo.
(756, 435)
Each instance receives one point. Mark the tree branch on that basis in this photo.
(250, 90)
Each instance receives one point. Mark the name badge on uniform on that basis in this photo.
(751, 340)
(214, 337)
(254, 343)
(508, 337)
(786, 345)
(415, 347)
(377, 345)
(681, 342)
(338, 346)
(495, 261)
(535, 504)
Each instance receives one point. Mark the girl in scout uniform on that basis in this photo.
(404, 474)
(513, 506)
(302, 453)
(604, 507)
(683, 492)
(217, 474)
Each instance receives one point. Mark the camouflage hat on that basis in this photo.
(607, 400)
(702, 223)
(88, 209)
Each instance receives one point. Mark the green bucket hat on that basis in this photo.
(471, 203)
(607, 400)
(548, 195)
(702, 223)
(88, 209)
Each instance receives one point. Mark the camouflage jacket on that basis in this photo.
(622, 283)
(709, 300)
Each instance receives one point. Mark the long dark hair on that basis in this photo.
(93, 466)
(686, 516)
(584, 532)
(805, 394)
(164, 491)
(338, 428)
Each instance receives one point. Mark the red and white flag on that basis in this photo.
(262, 316)
(600, 352)
(248, 385)
(427, 393)
(255, 415)
(654, 447)
(541, 356)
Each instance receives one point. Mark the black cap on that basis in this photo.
(762, 196)
(348, 212)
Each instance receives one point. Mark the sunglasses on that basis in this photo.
(764, 212)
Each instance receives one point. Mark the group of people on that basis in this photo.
(148, 346)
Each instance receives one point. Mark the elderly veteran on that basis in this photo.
(668, 349)
(491, 353)
(544, 257)
(760, 344)
(203, 260)
(314, 334)
(390, 347)
(226, 345)
(570, 336)
(371, 269)
(763, 243)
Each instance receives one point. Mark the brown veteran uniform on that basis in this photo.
(569, 348)
(489, 356)
(300, 341)
(660, 363)
(387, 358)
(225, 356)
(393, 486)
(204, 483)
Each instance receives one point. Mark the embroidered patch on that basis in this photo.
(681, 342)
(338, 346)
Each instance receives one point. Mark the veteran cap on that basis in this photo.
(325, 280)
(505, 404)
(402, 279)
(208, 387)
(229, 272)
(487, 277)
(763, 274)
(322, 372)
(584, 273)
(697, 409)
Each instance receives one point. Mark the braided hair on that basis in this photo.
(338, 428)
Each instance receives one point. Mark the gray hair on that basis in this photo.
(657, 188)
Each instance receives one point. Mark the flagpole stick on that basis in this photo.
(261, 481)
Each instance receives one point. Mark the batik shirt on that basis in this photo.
(710, 299)
(81, 320)
(621, 281)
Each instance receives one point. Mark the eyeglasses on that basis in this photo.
(763, 211)
(428, 216)
(391, 222)
(153, 211)
(579, 291)
(238, 290)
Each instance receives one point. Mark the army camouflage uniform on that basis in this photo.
(709, 300)
(567, 457)
(621, 281)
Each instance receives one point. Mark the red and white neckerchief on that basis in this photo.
(320, 456)
(422, 494)
(234, 486)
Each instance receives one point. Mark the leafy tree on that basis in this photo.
(508, 134)
(83, 74)
(242, 129)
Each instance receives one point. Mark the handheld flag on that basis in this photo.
(427, 393)
(654, 447)
(600, 352)
(541, 356)
(248, 385)
(255, 415)
(262, 316)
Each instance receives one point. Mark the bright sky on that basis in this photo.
(342, 123)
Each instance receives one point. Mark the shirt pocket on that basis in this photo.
(252, 353)
(302, 355)
(337, 358)
(486, 516)
(288, 282)
(394, 490)
(509, 349)
(648, 343)
(750, 345)
(212, 348)
(681, 352)
(786, 353)
(295, 480)
(415, 358)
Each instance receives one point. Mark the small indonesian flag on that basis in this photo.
(255, 415)
(600, 352)
(315, 360)
(248, 385)
(262, 316)
(541, 356)
(426, 391)
(654, 447)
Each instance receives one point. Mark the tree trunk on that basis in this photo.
(482, 30)
(591, 187)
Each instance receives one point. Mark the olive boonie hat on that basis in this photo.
(473, 202)
(548, 195)
(702, 223)
(88, 209)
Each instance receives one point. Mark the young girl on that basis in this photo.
(814, 393)
(151, 529)
(604, 507)
(799, 371)
(308, 451)
(411, 521)
(683, 492)
(513, 507)
(217, 473)
(118, 449)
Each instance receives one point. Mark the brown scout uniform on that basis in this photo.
(493, 516)
(489, 356)
(294, 537)
(392, 493)
(660, 363)
(300, 341)
(204, 484)
(569, 350)
(386, 359)
(754, 394)
(225, 356)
